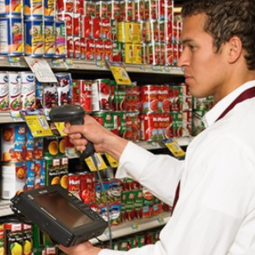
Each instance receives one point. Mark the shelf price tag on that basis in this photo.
(135, 226)
(69, 62)
(175, 148)
(14, 61)
(41, 69)
(100, 163)
(161, 219)
(111, 160)
(119, 73)
(157, 68)
(37, 123)
(60, 127)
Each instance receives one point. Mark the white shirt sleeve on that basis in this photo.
(158, 173)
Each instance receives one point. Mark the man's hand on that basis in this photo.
(85, 248)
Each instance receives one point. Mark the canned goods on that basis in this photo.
(101, 95)
(13, 143)
(13, 237)
(13, 178)
(64, 88)
(34, 37)
(39, 173)
(52, 171)
(63, 172)
(49, 9)
(12, 41)
(50, 147)
(14, 82)
(74, 184)
(106, 119)
(4, 92)
(87, 187)
(60, 39)
(11, 7)
(149, 127)
(27, 91)
(49, 38)
(82, 94)
(33, 8)
(149, 98)
(27, 238)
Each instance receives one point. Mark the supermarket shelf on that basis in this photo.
(5, 117)
(76, 64)
(5, 209)
(132, 227)
(149, 145)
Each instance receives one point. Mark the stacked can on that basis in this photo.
(11, 27)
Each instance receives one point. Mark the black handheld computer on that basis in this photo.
(60, 214)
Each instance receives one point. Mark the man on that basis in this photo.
(215, 213)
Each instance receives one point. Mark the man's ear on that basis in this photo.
(235, 48)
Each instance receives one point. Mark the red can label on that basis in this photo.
(149, 127)
(74, 183)
(149, 98)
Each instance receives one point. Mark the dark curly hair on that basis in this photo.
(225, 19)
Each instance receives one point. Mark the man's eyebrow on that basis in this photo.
(186, 41)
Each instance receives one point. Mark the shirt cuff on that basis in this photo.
(132, 161)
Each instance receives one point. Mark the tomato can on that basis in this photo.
(74, 184)
(76, 47)
(132, 131)
(113, 10)
(4, 92)
(149, 98)
(13, 178)
(49, 38)
(69, 46)
(34, 37)
(99, 50)
(90, 46)
(13, 143)
(105, 28)
(65, 5)
(150, 10)
(86, 26)
(83, 47)
(60, 39)
(101, 95)
(87, 186)
(177, 118)
(11, 7)
(106, 119)
(12, 40)
(64, 88)
(82, 94)
(33, 8)
(108, 47)
(66, 17)
(149, 127)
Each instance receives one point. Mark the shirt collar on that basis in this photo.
(211, 116)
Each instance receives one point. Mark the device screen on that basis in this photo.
(62, 209)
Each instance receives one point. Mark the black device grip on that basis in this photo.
(89, 147)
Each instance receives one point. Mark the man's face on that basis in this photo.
(203, 68)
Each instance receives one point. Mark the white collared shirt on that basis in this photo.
(215, 214)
